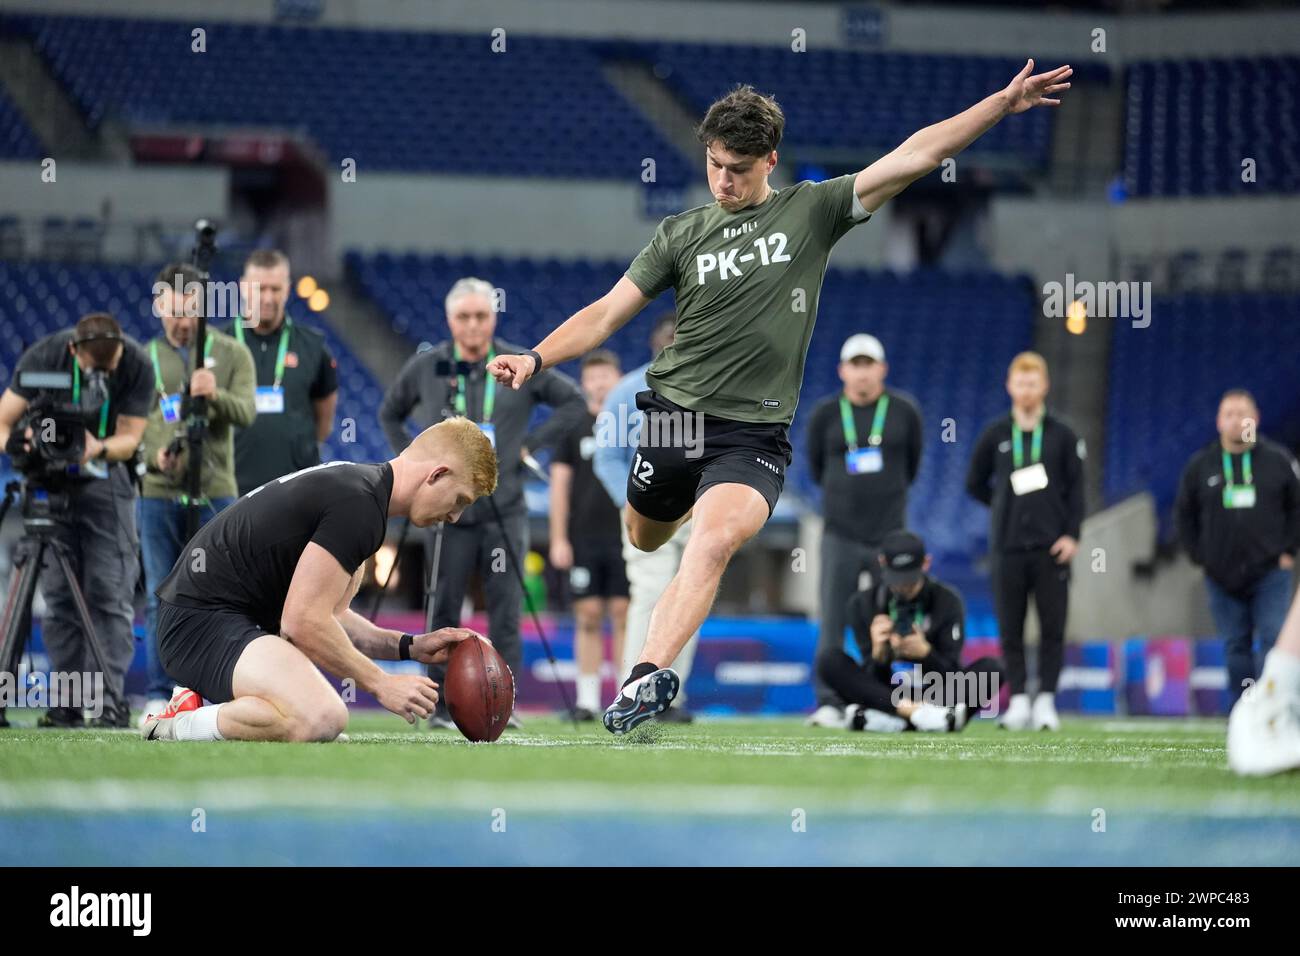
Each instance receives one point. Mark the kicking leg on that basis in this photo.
(725, 517)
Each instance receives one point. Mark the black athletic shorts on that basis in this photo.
(598, 569)
(675, 464)
(199, 647)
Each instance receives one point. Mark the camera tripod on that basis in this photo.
(40, 510)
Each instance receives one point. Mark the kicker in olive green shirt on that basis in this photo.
(231, 406)
(747, 285)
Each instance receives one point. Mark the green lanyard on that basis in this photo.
(1017, 443)
(1246, 476)
(76, 398)
(877, 423)
(917, 616)
(489, 388)
(279, 355)
(157, 369)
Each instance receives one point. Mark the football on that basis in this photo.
(480, 690)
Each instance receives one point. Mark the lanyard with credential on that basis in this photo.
(157, 369)
(489, 386)
(76, 398)
(877, 423)
(1017, 444)
(1246, 476)
(280, 353)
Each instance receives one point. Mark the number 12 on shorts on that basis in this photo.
(642, 469)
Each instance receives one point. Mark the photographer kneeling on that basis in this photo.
(911, 619)
(77, 442)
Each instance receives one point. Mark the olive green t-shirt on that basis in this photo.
(747, 285)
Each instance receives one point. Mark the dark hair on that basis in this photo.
(266, 259)
(744, 121)
(167, 274)
(106, 335)
(600, 357)
(1238, 393)
(664, 326)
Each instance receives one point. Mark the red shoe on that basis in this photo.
(183, 699)
(159, 726)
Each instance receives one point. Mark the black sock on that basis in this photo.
(640, 671)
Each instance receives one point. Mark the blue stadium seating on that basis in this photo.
(943, 332)
(388, 99)
(39, 298)
(17, 141)
(447, 103)
(1191, 123)
(1166, 380)
(843, 98)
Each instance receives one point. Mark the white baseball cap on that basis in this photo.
(862, 344)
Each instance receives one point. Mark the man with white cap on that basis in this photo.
(864, 449)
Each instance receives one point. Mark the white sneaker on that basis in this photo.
(1044, 716)
(154, 705)
(872, 721)
(826, 716)
(931, 718)
(1264, 730)
(1017, 715)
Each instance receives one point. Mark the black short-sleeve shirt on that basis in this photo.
(593, 516)
(130, 385)
(245, 557)
(284, 442)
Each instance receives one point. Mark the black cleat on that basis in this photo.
(642, 699)
(677, 715)
(62, 718)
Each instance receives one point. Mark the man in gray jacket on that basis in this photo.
(449, 380)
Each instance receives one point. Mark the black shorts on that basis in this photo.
(675, 463)
(199, 647)
(598, 570)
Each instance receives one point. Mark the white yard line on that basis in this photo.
(534, 797)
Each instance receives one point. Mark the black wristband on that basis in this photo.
(536, 358)
(404, 647)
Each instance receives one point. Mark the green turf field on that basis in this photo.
(744, 791)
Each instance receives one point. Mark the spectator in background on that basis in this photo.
(585, 537)
(864, 449)
(910, 618)
(1238, 513)
(448, 381)
(1028, 466)
(648, 572)
(227, 381)
(297, 379)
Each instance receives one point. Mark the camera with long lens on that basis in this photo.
(57, 425)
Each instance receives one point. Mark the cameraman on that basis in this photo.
(111, 383)
(227, 380)
(910, 618)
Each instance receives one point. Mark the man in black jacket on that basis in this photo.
(449, 380)
(864, 449)
(1238, 513)
(1028, 466)
(908, 618)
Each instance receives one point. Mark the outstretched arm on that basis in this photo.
(577, 335)
(924, 150)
